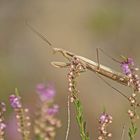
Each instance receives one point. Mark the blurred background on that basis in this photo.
(78, 26)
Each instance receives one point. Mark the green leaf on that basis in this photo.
(135, 131)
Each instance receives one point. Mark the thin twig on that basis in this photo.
(123, 132)
(69, 118)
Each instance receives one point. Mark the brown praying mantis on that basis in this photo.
(88, 64)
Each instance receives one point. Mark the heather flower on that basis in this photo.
(53, 110)
(104, 121)
(130, 61)
(45, 121)
(2, 107)
(74, 70)
(129, 69)
(15, 101)
(105, 118)
(2, 126)
(23, 120)
(2, 123)
(125, 68)
(45, 92)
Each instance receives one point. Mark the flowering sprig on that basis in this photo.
(23, 120)
(104, 121)
(74, 71)
(2, 123)
(45, 122)
(129, 69)
(45, 93)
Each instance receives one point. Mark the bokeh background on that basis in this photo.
(79, 26)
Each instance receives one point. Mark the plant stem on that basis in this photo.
(38, 138)
(132, 131)
(80, 120)
(74, 71)
(22, 120)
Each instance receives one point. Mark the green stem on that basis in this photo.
(73, 74)
(38, 137)
(22, 118)
(132, 131)
(80, 120)
(24, 133)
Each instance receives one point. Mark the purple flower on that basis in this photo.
(102, 118)
(40, 87)
(105, 118)
(125, 68)
(45, 93)
(130, 61)
(15, 101)
(2, 126)
(2, 107)
(53, 110)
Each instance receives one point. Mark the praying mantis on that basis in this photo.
(87, 63)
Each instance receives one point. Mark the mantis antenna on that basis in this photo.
(109, 55)
(39, 34)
